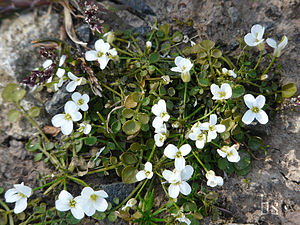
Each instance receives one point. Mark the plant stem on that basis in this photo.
(258, 62)
(152, 152)
(105, 168)
(52, 186)
(11, 220)
(45, 185)
(112, 90)
(193, 113)
(203, 117)
(184, 97)
(116, 143)
(201, 163)
(215, 144)
(32, 121)
(273, 60)
(78, 181)
(145, 182)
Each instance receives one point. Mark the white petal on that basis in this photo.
(60, 72)
(71, 86)
(234, 156)
(167, 174)
(150, 175)
(260, 101)
(157, 122)
(248, 117)
(213, 119)
(179, 163)
(200, 144)
(250, 40)
(103, 61)
(224, 70)
(20, 205)
(113, 52)
(205, 126)
(67, 127)
(271, 42)
(283, 42)
(101, 193)
(219, 180)
(86, 98)
(187, 173)
(170, 151)
(157, 140)
(91, 55)
(62, 60)
(89, 208)
(173, 190)
(211, 183)
(64, 195)
(47, 63)
(87, 192)
(101, 46)
(249, 100)
(193, 136)
(162, 104)
(25, 190)
(77, 212)
(72, 76)
(262, 117)
(227, 89)
(233, 74)
(76, 96)
(211, 135)
(70, 107)
(221, 153)
(178, 60)
(12, 195)
(185, 188)
(87, 129)
(157, 109)
(148, 166)
(141, 175)
(214, 89)
(185, 149)
(58, 120)
(62, 205)
(220, 128)
(176, 69)
(84, 107)
(101, 204)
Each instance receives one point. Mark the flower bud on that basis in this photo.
(148, 44)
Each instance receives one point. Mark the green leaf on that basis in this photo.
(90, 141)
(223, 164)
(128, 174)
(34, 111)
(288, 90)
(1, 190)
(255, 143)
(244, 171)
(189, 207)
(177, 36)
(38, 157)
(165, 28)
(3, 217)
(128, 158)
(116, 126)
(154, 57)
(238, 91)
(216, 53)
(71, 220)
(13, 93)
(13, 115)
(128, 113)
(49, 146)
(131, 127)
(135, 147)
(99, 215)
(32, 146)
(112, 217)
(204, 82)
(207, 44)
(165, 48)
(143, 118)
(116, 200)
(244, 161)
(171, 91)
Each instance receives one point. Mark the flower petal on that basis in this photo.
(101, 204)
(248, 117)
(62, 205)
(176, 69)
(86, 98)
(77, 212)
(187, 173)
(141, 175)
(185, 149)
(221, 153)
(262, 117)
(173, 190)
(67, 127)
(260, 101)
(213, 119)
(178, 60)
(170, 151)
(214, 89)
(25, 190)
(200, 143)
(271, 42)
(84, 107)
(60, 72)
(250, 40)
(72, 76)
(101, 46)
(87, 192)
(64, 195)
(220, 128)
(47, 63)
(227, 89)
(12, 195)
(71, 86)
(219, 180)
(101, 193)
(58, 120)
(91, 55)
(20, 206)
(249, 100)
(234, 156)
(283, 42)
(70, 107)
(62, 60)
(179, 163)
(157, 122)
(258, 31)
(185, 188)
(148, 166)
(167, 174)
(103, 61)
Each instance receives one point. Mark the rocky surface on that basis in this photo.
(270, 194)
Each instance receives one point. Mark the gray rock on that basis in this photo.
(83, 33)
(233, 14)
(56, 104)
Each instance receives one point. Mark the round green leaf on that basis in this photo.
(1, 190)
(207, 44)
(128, 158)
(99, 215)
(34, 111)
(128, 174)
(216, 53)
(143, 118)
(90, 141)
(204, 82)
(244, 161)
(288, 90)
(38, 157)
(13, 93)
(177, 36)
(112, 217)
(135, 147)
(171, 91)
(238, 91)
(128, 113)
(130, 127)
(13, 115)
(116, 126)
(154, 57)
(255, 143)
(189, 207)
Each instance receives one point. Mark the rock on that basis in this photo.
(273, 12)
(233, 14)
(139, 6)
(83, 33)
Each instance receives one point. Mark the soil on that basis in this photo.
(270, 193)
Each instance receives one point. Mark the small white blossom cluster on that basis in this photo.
(255, 38)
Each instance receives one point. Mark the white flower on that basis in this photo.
(110, 36)
(277, 48)
(60, 73)
(19, 195)
(181, 218)
(47, 63)
(177, 180)
(102, 54)
(160, 111)
(213, 180)
(93, 200)
(255, 111)
(146, 173)
(65, 120)
(66, 202)
(99, 152)
(198, 136)
(148, 44)
(212, 128)
(131, 202)
(225, 92)
(183, 66)
(81, 100)
(161, 135)
(229, 72)
(172, 152)
(85, 128)
(76, 81)
(230, 152)
(255, 38)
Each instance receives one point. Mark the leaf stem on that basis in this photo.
(200, 162)
(260, 57)
(105, 168)
(273, 60)
(203, 117)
